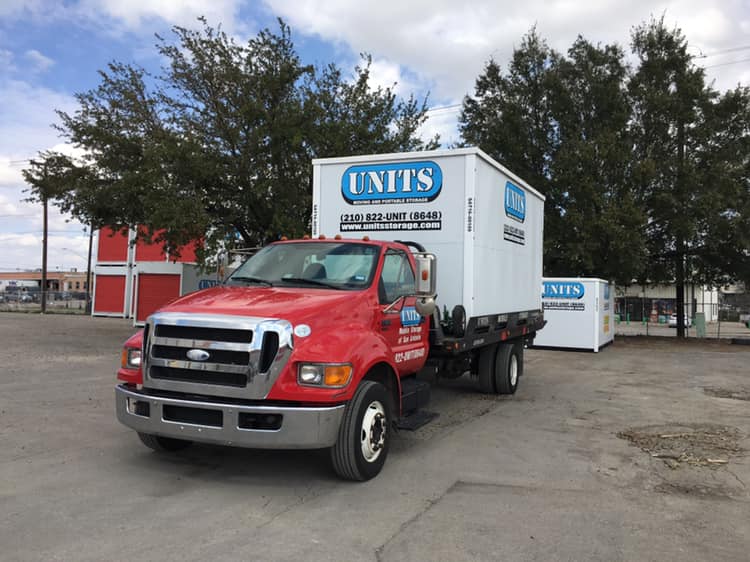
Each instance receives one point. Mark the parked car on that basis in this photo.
(26, 297)
(673, 321)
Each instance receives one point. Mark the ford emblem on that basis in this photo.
(198, 355)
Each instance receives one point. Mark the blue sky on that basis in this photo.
(49, 50)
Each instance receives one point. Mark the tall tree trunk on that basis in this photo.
(680, 289)
(679, 238)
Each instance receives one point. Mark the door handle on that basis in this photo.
(385, 323)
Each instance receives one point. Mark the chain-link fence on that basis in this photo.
(658, 317)
(73, 302)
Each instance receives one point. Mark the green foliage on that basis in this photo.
(560, 123)
(645, 171)
(219, 145)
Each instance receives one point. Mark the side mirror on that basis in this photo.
(426, 283)
(426, 274)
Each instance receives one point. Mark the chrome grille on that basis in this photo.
(243, 355)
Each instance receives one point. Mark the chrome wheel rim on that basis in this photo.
(373, 432)
(513, 370)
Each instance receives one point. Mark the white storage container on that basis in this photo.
(579, 313)
(483, 223)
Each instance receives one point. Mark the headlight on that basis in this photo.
(330, 375)
(131, 358)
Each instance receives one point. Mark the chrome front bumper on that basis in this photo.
(300, 428)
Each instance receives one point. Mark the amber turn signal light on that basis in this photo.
(337, 375)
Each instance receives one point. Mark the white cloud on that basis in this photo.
(39, 62)
(442, 121)
(26, 114)
(134, 14)
(6, 62)
(447, 43)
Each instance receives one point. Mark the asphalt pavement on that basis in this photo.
(573, 467)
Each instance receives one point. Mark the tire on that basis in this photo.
(486, 369)
(163, 444)
(507, 365)
(363, 441)
(519, 352)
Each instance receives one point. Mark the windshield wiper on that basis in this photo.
(310, 282)
(251, 280)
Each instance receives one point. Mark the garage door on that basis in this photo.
(109, 294)
(154, 291)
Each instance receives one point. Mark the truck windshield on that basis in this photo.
(332, 265)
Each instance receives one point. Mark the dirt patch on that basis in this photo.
(727, 393)
(705, 445)
(701, 490)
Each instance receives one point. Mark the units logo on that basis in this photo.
(410, 316)
(562, 290)
(399, 182)
(515, 202)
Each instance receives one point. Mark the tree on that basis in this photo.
(599, 228)
(510, 116)
(45, 184)
(689, 163)
(560, 123)
(219, 145)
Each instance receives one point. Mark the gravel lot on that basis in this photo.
(638, 452)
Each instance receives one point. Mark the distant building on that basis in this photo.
(31, 281)
(657, 302)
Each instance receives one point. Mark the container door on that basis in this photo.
(154, 290)
(109, 295)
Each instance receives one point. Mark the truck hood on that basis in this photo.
(293, 304)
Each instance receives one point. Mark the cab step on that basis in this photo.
(416, 419)
(415, 395)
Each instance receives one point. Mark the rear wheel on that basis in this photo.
(486, 369)
(363, 441)
(163, 444)
(508, 367)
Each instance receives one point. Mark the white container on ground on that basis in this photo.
(484, 223)
(579, 313)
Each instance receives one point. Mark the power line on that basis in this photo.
(722, 52)
(727, 63)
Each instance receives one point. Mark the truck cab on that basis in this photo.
(305, 345)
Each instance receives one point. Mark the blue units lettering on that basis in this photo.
(410, 316)
(515, 202)
(402, 182)
(562, 290)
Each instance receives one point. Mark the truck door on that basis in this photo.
(403, 328)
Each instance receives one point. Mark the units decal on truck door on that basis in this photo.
(386, 184)
(515, 208)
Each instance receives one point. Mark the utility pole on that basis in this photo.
(88, 270)
(44, 242)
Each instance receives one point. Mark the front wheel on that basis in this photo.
(363, 441)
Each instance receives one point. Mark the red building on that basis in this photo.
(132, 278)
